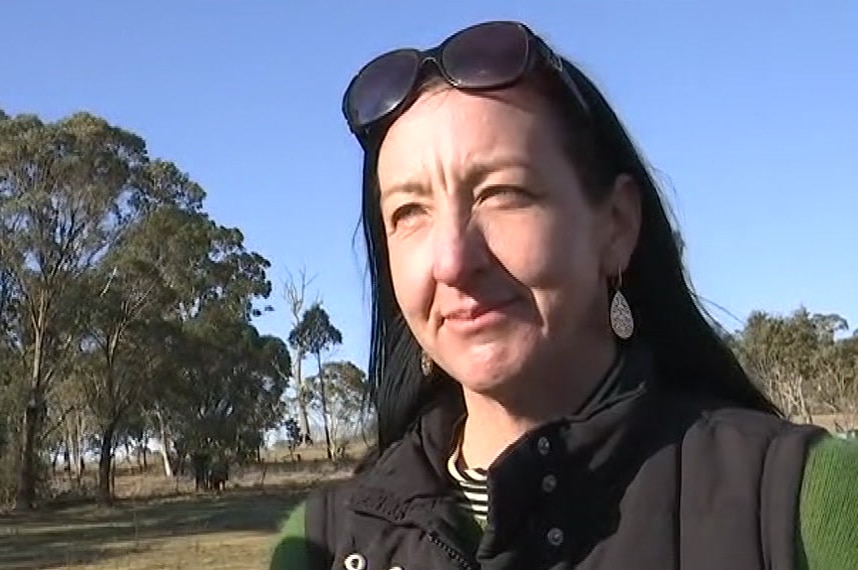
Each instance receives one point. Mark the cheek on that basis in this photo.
(545, 250)
(411, 274)
(555, 259)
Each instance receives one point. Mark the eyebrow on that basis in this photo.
(477, 172)
(409, 188)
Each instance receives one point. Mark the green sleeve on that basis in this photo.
(828, 507)
(290, 552)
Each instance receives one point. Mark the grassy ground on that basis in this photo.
(155, 525)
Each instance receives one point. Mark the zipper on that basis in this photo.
(460, 559)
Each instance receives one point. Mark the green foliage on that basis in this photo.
(125, 311)
(315, 333)
(806, 361)
(346, 391)
(232, 385)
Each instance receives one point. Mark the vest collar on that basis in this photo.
(409, 484)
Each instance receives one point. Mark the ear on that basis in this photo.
(622, 211)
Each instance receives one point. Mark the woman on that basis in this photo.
(549, 394)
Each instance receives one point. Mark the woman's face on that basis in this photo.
(498, 261)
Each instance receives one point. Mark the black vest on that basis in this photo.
(639, 480)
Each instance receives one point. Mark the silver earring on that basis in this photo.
(426, 364)
(622, 321)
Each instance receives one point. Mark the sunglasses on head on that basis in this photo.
(486, 56)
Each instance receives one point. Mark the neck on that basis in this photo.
(495, 421)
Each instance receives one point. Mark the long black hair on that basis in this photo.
(689, 352)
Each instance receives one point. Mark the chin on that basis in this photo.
(494, 365)
(490, 378)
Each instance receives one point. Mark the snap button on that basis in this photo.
(555, 537)
(549, 483)
(543, 445)
(355, 562)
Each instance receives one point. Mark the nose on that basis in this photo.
(460, 251)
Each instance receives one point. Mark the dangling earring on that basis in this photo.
(426, 364)
(622, 321)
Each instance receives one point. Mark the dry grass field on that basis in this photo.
(831, 421)
(157, 524)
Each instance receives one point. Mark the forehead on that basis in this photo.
(457, 128)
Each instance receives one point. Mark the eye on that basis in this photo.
(405, 214)
(506, 195)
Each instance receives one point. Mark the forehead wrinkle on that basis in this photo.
(469, 177)
(447, 163)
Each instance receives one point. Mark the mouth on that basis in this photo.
(476, 316)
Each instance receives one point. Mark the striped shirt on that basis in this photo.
(471, 489)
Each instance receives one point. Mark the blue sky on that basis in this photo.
(746, 109)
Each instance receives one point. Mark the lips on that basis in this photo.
(473, 311)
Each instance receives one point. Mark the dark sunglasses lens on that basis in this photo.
(382, 85)
(486, 55)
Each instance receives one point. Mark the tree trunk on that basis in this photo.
(141, 452)
(105, 463)
(25, 497)
(165, 458)
(165, 444)
(113, 475)
(303, 393)
(76, 445)
(324, 397)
